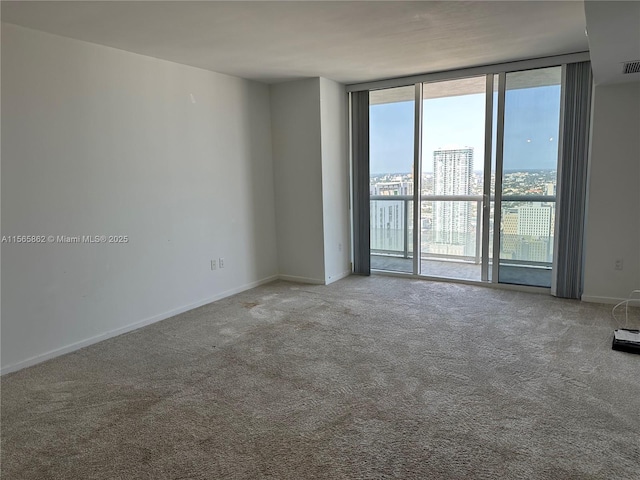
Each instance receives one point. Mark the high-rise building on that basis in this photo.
(388, 217)
(452, 175)
(534, 220)
(509, 235)
(527, 233)
(400, 187)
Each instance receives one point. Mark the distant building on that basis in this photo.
(527, 233)
(387, 219)
(550, 189)
(534, 220)
(452, 175)
(509, 237)
(534, 250)
(392, 188)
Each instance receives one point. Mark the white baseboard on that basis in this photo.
(340, 276)
(293, 278)
(605, 300)
(128, 328)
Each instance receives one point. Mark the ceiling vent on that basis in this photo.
(631, 67)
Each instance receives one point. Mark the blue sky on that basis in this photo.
(531, 130)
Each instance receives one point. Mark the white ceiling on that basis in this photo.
(348, 42)
(614, 38)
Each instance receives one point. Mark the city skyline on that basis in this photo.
(531, 130)
(450, 229)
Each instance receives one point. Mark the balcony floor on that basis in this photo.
(512, 274)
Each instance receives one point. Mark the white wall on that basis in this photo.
(311, 176)
(100, 141)
(335, 179)
(297, 158)
(613, 211)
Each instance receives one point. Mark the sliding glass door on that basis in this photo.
(529, 165)
(453, 135)
(391, 189)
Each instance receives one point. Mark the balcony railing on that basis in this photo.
(391, 235)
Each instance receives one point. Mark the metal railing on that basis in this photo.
(407, 200)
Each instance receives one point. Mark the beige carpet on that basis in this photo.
(368, 378)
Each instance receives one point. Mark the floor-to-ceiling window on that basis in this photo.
(391, 133)
(453, 134)
(529, 165)
(486, 149)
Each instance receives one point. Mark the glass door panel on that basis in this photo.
(530, 160)
(391, 188)
(451, 207)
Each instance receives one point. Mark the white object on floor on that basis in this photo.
(627, 335)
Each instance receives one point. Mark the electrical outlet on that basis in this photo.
(213, 265)
(618, 264)
(221, 262)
